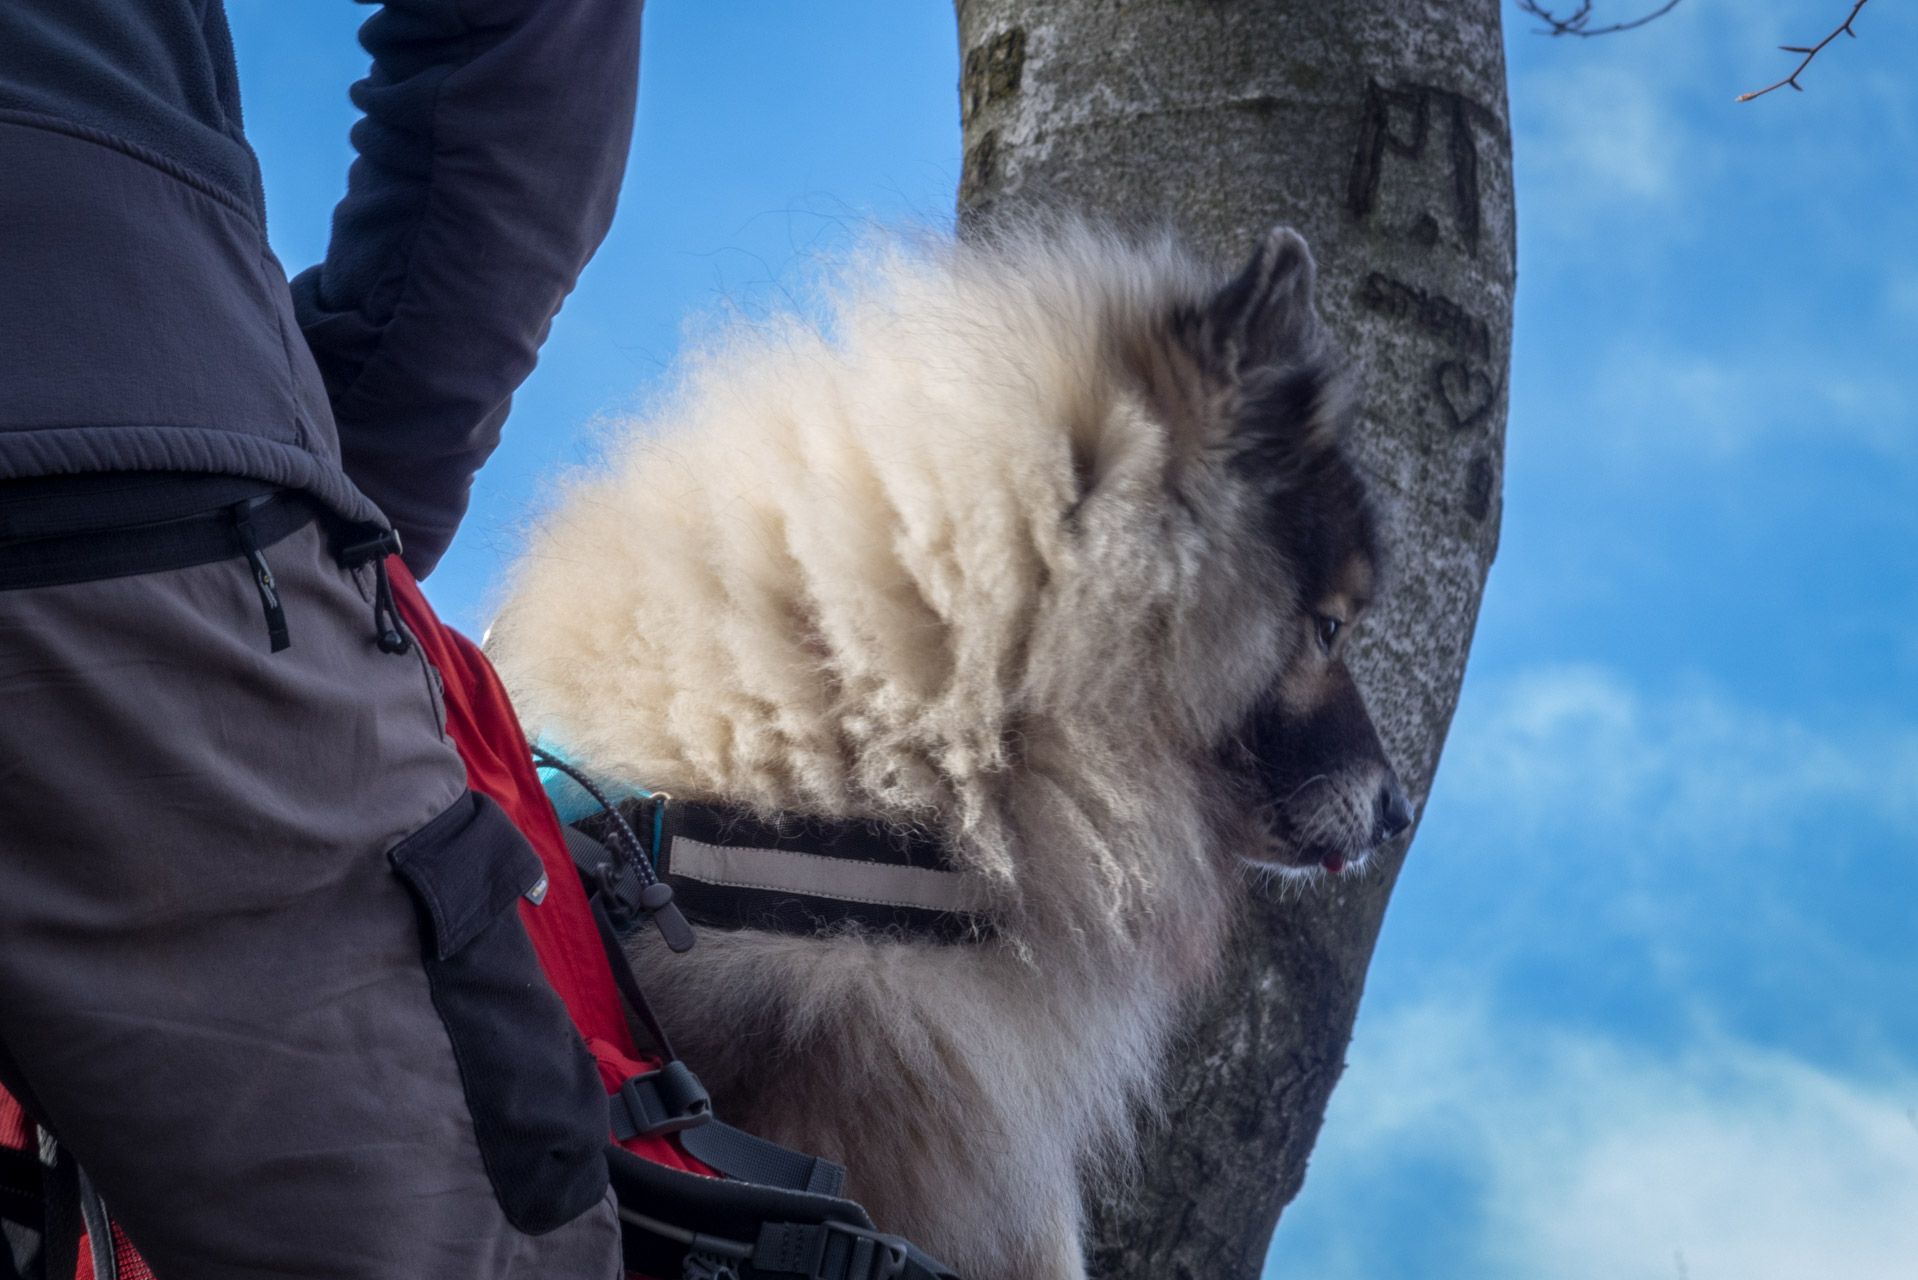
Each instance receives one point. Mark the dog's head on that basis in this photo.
(1256, 408)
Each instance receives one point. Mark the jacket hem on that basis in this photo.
(75, 450)
(133, 150)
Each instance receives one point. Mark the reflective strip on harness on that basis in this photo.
(790, 871)
(793, 873)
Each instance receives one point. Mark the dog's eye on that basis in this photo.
(1328, 630)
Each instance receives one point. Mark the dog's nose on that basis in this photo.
(1393, 810)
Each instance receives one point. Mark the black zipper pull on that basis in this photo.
(386, 613)
(262, 576)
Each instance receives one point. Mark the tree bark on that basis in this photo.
(1378, 128)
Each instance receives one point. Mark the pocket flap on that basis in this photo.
(466, 866)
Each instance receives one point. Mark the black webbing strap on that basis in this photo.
(669, 1100)
(99, 1228)
(22, 1199)
(683, 1224)
(197, 539)
(813, 1250)
(623, 978)
(65, 1225)
(829, 1251)
(739, 1154)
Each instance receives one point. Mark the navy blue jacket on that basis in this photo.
(145, 325)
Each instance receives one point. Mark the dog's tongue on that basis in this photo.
(1334, 865)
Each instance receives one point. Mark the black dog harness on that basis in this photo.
(731, 869)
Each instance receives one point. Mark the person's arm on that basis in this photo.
(490, 157)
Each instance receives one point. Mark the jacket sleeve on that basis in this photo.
(490, 157)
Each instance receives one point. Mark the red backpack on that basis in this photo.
(698, 1199)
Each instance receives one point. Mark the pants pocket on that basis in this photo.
(538, 1110)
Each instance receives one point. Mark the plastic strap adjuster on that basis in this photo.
(618, 887)
(380, 544)
(663, 1101)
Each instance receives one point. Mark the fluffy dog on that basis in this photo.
(1045, 543)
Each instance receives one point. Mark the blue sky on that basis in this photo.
(1646, 1004)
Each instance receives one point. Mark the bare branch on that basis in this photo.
(1844, 28)
(1578, 21)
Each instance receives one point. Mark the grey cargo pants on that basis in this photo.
(213, 983)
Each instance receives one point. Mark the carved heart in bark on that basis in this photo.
(1466, 393)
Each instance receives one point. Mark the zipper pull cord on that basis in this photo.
(655, 895)
(386, 613)
(387, 632)
(262, 575)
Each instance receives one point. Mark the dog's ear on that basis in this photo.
(1264, 316)
(1246, 371)
(1266, 342)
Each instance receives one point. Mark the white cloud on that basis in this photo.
(1578, 747)
(1651, 401)
(1708, 860)
(1601, 1162)
(1607, 144)
(1596, 132)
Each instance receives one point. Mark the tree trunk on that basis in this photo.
(1378, 128)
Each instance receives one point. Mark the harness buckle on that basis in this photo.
(874, 1255)
(663, 1101)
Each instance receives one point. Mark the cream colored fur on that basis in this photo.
(962, 558)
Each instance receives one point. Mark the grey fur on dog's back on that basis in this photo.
(1003, 554)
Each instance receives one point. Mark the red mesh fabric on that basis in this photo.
(127, 1258)
(16, 1130)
